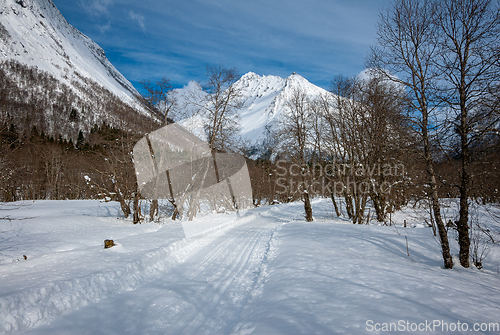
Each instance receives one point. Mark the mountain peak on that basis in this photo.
(249, 76)
(265, 99)
(295, 76)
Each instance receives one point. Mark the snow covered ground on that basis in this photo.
(264, 271)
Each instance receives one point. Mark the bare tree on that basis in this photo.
(330, 145)
(221, 107)
(114, 167)
(160, 98)
(343, 142)
(54, 167)
(295, 133)
(407, 48)
(363, 137)
(220, 113)
(382, 126)
(469, 36)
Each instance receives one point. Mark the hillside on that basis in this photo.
(50, 67)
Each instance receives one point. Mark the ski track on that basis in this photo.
(264, 271)
(232, 284)
(226, 266)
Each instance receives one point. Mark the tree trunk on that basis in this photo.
(307, 207)
(360, 203)
(153, 209)
(123, 204)
(433, 223)
(436, 208)
(337, 209)
(137, 208)
(379, 203)
(175, 213)
(348, 204)
(462, 225)
(172, 200)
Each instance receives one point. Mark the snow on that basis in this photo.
(259, 94)
(184, 98)
(263, 271)
(265, 99)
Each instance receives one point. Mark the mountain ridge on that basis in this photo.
(264, 99)
(33, 23)
(35, 35)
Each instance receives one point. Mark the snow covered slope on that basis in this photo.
(35, 33)
(264, 100)
(265, 97)
(262, 103)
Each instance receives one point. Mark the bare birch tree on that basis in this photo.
(295, 133)
(469, 41)
(407, 48)
(221, 108)
(160, 98)
(344, 142)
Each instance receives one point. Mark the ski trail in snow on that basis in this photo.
(204, 293)
(228, 277)
(33, 306)
(266, 272)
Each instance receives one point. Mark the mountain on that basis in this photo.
(264, 99)
(36, 39)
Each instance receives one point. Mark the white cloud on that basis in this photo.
(96, 7)
(138, 18)
(104, 27)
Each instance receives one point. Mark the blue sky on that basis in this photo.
(148, 39)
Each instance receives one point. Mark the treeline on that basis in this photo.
(35, 165)
(58, 142)
(30, 97)
(273, 183)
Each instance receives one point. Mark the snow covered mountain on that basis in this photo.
(34, 33)
(264, 99)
